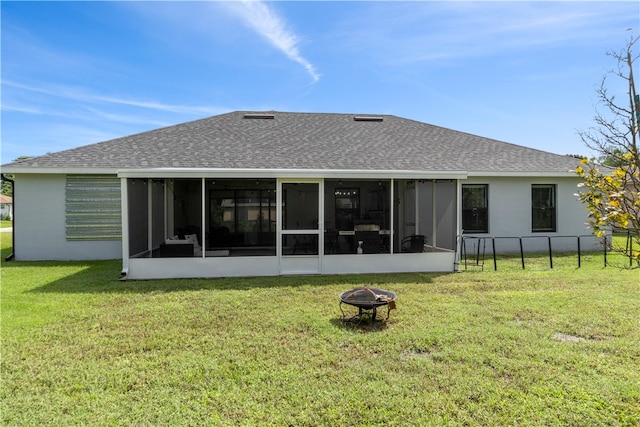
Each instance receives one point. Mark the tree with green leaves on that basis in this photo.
(611, 181)
(6, 187)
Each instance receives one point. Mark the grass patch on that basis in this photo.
(533, 347)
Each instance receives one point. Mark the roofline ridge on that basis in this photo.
(319, 113)
(485, 137)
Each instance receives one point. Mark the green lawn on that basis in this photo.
(512, 347)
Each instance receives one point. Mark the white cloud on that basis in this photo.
(264, 20)
(81, 95)
(462, 30)
(183, 109)
(20, 109)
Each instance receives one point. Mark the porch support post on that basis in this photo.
(279, 221)
(165, 207)
(416, 214)
(321, 225)
(149, 215)
(434, 212)
(392, 205)
(203, 220)
(459, 237)
(170, 212)
(124, 215)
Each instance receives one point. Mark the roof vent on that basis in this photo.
(263, 116)
(368, 118)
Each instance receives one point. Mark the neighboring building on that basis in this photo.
(6, 207)
(272, 193)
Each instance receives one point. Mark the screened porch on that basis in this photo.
(290, 226)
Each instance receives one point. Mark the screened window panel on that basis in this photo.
(93, 209)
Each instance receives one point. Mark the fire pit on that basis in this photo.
(367, 299)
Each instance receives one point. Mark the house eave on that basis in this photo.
(523, 174)
(58, 170)
(280, 173)
(288, 173)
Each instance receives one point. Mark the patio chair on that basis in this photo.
(331, 241)
(414, 243)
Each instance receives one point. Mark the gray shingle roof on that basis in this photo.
(306, 141)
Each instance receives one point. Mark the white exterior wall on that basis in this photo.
(39, 227)
(510, 214)
(385, 263)
(160, 268)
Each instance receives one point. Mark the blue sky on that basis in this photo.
(75, 73)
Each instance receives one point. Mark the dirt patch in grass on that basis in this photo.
(562, 337)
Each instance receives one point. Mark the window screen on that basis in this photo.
(93, 208)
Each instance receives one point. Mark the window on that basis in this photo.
(543, 207)
(93, 208)
(475, 208)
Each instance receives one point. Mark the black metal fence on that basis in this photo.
(474, 251)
